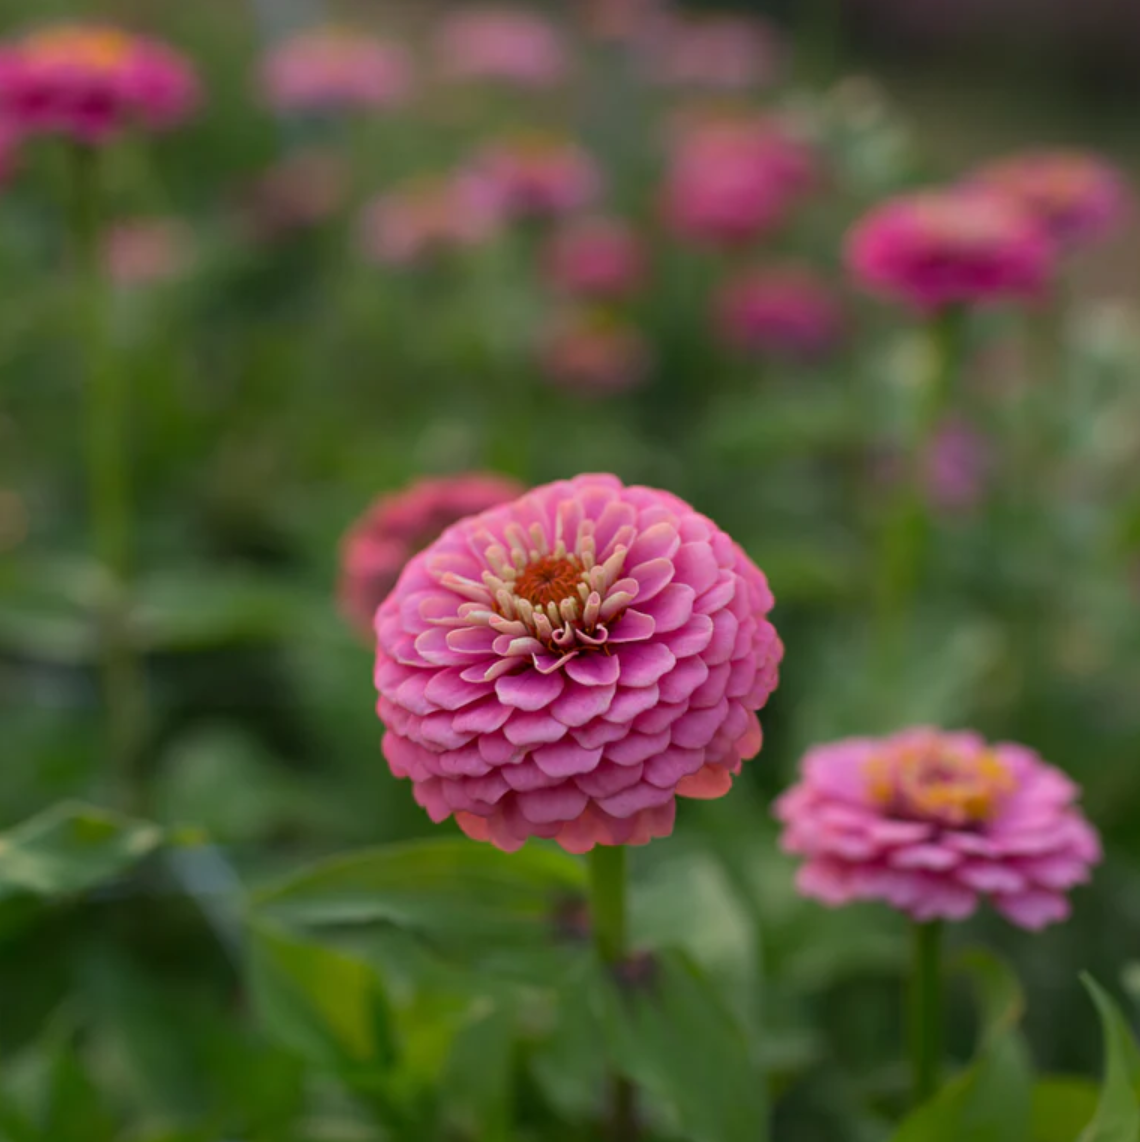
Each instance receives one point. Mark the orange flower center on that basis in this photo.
(549, 580)
(101, 49)
(939, 782)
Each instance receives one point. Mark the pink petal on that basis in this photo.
(643, 663)
(578, 705)
(527, 729)
(529, 690)
(566, 759)
(652, 577)
(561, 803)
(594, 669)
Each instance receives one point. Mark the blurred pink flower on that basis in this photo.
(931, 821)
(957, 466)
(786, 310)
(397, 526)
(598, 257)
(502, 44)
(592, 353)
(422, 218)
(90, 82)
(732, 180)
(1077, 198)
(301, 191)
(940, 248)
(146, 251)
(336, 69)
(567, 665)
(720, 52)
(536, 175)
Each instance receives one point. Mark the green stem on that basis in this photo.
(925, 1010)
(108, 483)
(608, 913)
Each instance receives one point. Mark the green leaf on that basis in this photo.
(75, 1110)
(1117, 1117)
(71, 848)
(478, 1078)
(1061, 1107)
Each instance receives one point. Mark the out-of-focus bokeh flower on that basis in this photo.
(957, 466)
(567, 665)
(931, 822)
(732, 180)
(428, 217)
(90, 82)
(598, 256)
(146, 251)
(591, 352)
(336, 70)
(787, 311)
(622, 19)
(940, 248)
(300, 192)
(1078, 198)
(716, 52)
(376, 548)
(503, 45)
(537, 175)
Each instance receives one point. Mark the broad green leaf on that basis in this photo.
(1062, 1105)
(71, 848)
(1117, 1117)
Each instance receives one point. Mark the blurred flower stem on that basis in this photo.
(108, 483)
(924, 1010)
(608, 916)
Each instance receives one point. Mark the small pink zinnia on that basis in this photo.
(90, 82)
(539, 176)
(787, 311)
(730, 181)
(930, 822)
(424, 218)
(940, 248)
(335, 70)
(1077, 198)
(591, 352)
(377, 547)
(504, 45)
(719, 52)
(567, 665)
(146, 251)
(596, 257)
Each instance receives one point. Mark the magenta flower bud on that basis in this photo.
(593, 353)
(510, 46)
(567, 665)
(596, 257)
(942, 248)
(932, 822)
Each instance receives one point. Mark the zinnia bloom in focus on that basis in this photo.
(505, 45)
(397, 526)
(935, 249)
(424, 218)
(720, 52)
(336, 70)
(596, 257)
(90, 82)
(567, 665)
(931, 822)
(539, 176)
(591, 352)
(785, 311)
(146, 251)
(1077, 198)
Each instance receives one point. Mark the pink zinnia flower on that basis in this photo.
(377, 547)
(296, 194)
(940, 248)
(567, 665)
(423, 218)
(730, 181)
(1077, 198)
(336, 69)
(505, 45)
(931, 821)
(596, 257)
(787, 311)
(539, 176)
(90, 82)
(590, 352)
(720, 52)
(146, 251)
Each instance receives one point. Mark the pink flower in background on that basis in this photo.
(505, 45)
(940, 248)
(730, 181)
(596, 257)
(539, 176)
(931, 822)
(1077, 198)
(424, 218)
(397, 526)
(567, 665)
(336, 69)
(146, 251)
(90, 82)
(592, 353)
(957, 466)
(788, 311)
(720, 52)
(298, 193)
